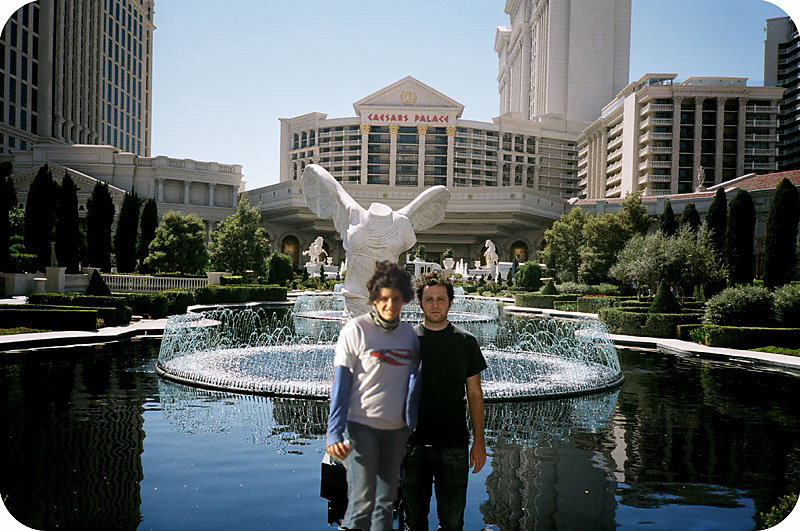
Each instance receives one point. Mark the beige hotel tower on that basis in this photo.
(560, 62)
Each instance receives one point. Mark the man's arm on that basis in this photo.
(477, 455)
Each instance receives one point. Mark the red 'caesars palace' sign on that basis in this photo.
(397, 118)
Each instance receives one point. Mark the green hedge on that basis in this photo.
(745, 337)
(592, 303)
(645, 324)
(233, 294)
(565, 306)
(110, 316)
(120, 316)
(158, 305)
(537, 300)
(48, 319)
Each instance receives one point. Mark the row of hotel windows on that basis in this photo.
(12, 143)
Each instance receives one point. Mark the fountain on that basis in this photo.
(252, 351)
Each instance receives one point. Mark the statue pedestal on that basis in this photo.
(313, 269)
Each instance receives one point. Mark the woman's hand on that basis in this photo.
(339, 450)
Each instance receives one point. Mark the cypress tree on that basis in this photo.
(40, 216)
(5, 226)
(67, 230)
(99, 217)
(668, 225)
(780, 265)
(716, 223)
(125, 237)
(690, 218)
(149, 224)
(739, 238)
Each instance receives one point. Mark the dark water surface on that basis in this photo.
(92, 438)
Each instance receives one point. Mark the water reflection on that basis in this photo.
(682, 443)
(72, 439)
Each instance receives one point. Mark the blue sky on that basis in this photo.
(223, 76)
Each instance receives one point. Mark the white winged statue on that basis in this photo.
(369, 235)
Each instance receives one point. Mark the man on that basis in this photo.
(437, 451)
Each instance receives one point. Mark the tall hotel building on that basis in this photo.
(559, 63)
(662, 137)
(563, 57)
(77, 72)
(782, 68)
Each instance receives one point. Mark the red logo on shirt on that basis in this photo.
(392, 356)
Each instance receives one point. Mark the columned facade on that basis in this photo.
(666, 137)
(563, 58)
(508, 178)
(207, 189)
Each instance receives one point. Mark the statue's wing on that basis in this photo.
(427, 209)
(327, 199)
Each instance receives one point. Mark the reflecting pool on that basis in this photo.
(93, 438)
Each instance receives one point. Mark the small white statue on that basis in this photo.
(369, 235)
(491, 254)
(315, 250)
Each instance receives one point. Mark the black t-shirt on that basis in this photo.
(449, 357)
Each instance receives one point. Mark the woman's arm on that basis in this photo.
(337, 419)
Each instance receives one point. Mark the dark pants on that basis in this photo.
(445, 467)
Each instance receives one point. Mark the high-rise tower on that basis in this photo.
(782, 68)
(563, 57)
(77, 72)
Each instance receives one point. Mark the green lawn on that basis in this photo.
(19, 330)
(779, 350)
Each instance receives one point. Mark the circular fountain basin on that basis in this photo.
(248, 352)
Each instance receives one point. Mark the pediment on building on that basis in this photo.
(408, 94)
(85, 183)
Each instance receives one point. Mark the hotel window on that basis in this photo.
(24, 68)
(13, 63)
(13, 35)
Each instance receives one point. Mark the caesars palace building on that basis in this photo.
(508, 179)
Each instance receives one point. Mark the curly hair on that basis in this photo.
(392, 276)
(434, 278)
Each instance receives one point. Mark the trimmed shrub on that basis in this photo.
(110, 316)
(232, 280)
(592, 303)
(549, 288)
(664, 301)
(113, 310)
(48, 319)
(604, 288)
(645, 324)
(529, 276)
(279, 269)
(537, 300)
(97, 286)
(787, 305)
(745, 337)
(234, 294)
(741, 306)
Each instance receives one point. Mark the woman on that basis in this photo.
(374, 399)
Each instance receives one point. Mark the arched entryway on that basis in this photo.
(291, 246)
(519, 250)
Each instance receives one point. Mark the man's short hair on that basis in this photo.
(392, 276)
(434, 278)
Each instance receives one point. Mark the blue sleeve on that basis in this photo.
(340, 402)
(414, 391)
